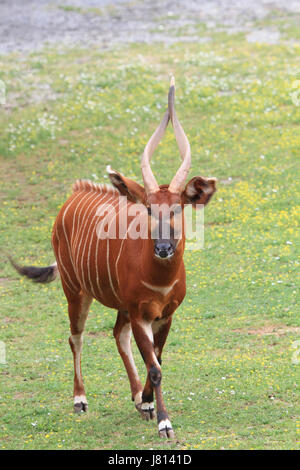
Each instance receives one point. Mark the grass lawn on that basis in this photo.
(230, 372)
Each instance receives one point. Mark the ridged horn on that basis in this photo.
(177, 183)
(150, 182)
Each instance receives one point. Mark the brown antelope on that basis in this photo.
(142, 278)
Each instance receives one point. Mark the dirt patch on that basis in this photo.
(264, 36)
(5, 280)
(28, 26)
(275, 330)
(10, 319)
(95, 334)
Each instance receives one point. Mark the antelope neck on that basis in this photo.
(159, 271)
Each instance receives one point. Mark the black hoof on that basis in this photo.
(166, 433)
(146, 413)
(165, 429)
(80, 407)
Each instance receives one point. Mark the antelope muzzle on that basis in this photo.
(164, 248)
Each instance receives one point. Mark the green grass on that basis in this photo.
(82, 11)
(228, 375)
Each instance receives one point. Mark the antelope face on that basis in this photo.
(165, 204)
(165, 222)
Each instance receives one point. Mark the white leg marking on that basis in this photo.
(125, 344)
(165, 423)
(138, 398)
(147, 406)
(147, 328)
(80, 399)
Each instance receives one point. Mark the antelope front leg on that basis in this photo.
(143, 334)
(122, 334)
(160, 330)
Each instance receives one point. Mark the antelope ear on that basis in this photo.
(132, 190)
(199, 190)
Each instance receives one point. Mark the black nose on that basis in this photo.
(164, 249)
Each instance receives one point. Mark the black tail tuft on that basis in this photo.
(43, 275)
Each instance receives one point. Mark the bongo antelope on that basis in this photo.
(142, 278)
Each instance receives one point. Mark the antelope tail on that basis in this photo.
(35, 274)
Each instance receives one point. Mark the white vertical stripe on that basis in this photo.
(107, 257)
(86, 197)
(96, 259)
(83, 196)
(64, 229)
(81, 229)
(90, 239)
(74, 289)
(121, 247)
